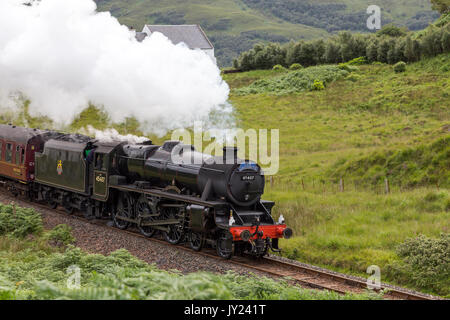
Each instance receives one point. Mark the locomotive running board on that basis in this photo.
(169, 195)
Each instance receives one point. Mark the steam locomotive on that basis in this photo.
(172, 189)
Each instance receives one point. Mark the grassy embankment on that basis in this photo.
(37, 264)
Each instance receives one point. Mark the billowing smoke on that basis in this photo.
(63, 55)
(110, 135)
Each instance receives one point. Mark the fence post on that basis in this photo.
(303, 184)
(341, 185)
(271, 181)
(386, 186)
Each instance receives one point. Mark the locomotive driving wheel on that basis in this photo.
(224, 245)
(143, 210)
(52, 204)
(175, 233)
(196, 241)
(124, 210)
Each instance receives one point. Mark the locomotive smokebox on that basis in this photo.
(230, 155)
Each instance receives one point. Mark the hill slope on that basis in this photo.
(236, 25)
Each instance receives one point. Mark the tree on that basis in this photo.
(431, 42)
(392, 31)
(347, 46)
(293, 53)
(383, 49)
(307, 55)
(319, 47)
(332, 52)
(443, 6)
(445, 41)
(372, 51)
(411, 50)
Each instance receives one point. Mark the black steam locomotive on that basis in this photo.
(173, 189)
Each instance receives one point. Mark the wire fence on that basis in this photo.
(329, 185)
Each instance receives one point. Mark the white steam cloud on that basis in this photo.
(63, 55)
(111, 135)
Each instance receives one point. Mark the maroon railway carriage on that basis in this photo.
(17, 148)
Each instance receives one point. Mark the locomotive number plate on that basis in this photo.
(248, 178)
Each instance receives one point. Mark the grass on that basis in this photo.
(340, 132)
(34, 269)
(381, 111)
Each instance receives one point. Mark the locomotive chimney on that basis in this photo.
(230, 155)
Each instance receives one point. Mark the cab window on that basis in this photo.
(1, 150)
(99, 161)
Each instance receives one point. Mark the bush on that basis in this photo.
(347, 67)
(425, 263)
(295, 66)
(295, 81)
(358, 61)
(353, 77)
(400, 67)
(318, 85)
(278, 67)
(19, 222)
(60, 235)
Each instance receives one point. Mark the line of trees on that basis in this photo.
(389, 45)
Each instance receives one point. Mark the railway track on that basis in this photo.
(276, 267)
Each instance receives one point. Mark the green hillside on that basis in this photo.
(370, 125)
(236, 25)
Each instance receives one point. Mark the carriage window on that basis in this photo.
(1, 150)
(17, 154)
(8, 154)
(23, 155)
(99, 161)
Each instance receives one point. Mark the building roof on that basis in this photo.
(140, 36)
(192, 35)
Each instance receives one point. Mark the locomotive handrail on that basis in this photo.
(178, 164)
(170, 195)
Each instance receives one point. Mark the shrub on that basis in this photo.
(295, 66)
(357, 61)
(60, 235)
(353, 77)
(295, 81)
(318, 85)
(425, 263)
(19, 222)
(347, 67)
(278, 67)
(400, 67)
